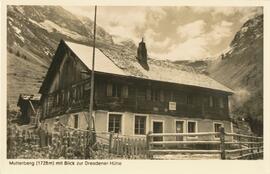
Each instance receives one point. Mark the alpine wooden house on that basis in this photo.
(131, 96)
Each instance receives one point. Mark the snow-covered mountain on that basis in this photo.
(240, 67)
(33, 33)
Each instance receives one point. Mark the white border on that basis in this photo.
(145, 166)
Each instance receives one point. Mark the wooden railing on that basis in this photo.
(71, 143)
(244, 147)
(128, 147)
(228, 145)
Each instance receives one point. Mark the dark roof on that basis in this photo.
(107, 61)
(31, 97)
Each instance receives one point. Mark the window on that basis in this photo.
(190, 99)
(140, 125)
(76, 121)
(217, 127)
(155, 95)
(211, 101)
(148, 94)
(172, 98)
(115, 123)
(124, 91)
(221, 102)
(109, 89)
(192, 127)
(116, 90)
(141, 93)
(161, 96)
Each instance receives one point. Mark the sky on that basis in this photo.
(173, 32)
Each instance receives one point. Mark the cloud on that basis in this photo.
(194, 48)
(192, 29)
(174, 32)
(218, 32)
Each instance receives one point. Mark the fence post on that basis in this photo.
(110, 142)
(222, 143)
(148, 141)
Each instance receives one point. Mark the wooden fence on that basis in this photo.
(31, 144)
(127, 147)
(72, 144)
(228, 145)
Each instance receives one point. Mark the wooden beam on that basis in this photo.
(183, 134)
(185, 142)
(184, 151)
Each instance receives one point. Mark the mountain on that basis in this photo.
(240, 67)
(33, 33)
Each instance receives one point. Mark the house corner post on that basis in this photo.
(222, 143)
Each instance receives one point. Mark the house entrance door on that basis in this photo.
(158, 128)
(179, 128)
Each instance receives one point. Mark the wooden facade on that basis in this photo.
(66, 90)
(70, 90)
(28, 105)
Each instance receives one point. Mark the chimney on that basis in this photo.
(142, 53)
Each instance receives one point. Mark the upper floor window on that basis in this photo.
(117, 90)
(141, 93)
(221, 102)
(154, 94)
(211, 101)
(190, 99)
(171, 96)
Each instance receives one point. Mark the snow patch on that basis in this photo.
(119, 39)
(20, 37)
(17, 30)
(53, 27)
(244, 29)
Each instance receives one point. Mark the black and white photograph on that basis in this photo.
(97, 82)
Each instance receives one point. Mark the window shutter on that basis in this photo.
(148, 94)
(109, 89)
(125, 91)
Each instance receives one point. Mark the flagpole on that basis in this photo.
(92, 77)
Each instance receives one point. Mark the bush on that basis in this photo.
(18, 54)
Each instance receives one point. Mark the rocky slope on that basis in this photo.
(241, 69)
(33, 33)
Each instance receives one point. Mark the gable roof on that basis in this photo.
(125, 64)
(163, 71)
